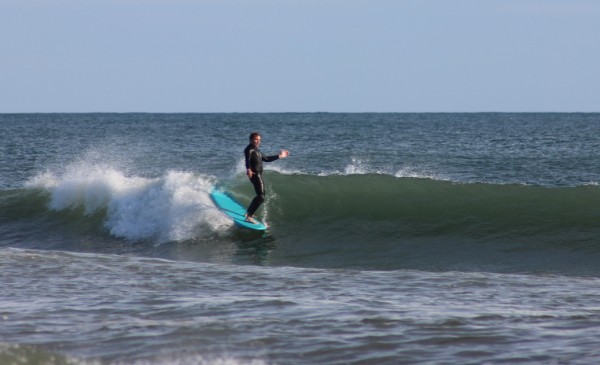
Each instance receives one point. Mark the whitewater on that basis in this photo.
(394, 239)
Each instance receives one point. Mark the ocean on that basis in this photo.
(441, 238)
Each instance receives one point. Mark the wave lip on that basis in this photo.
(170, 208)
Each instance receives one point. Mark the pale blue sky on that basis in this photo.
(299, 55)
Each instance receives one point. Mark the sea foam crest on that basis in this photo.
(359, 167)
(170, 208)
(420, 174)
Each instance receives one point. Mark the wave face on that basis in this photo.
(418, 207)
(427, 223)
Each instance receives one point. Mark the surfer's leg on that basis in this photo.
(259, 188)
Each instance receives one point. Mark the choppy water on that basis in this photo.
(395, 238)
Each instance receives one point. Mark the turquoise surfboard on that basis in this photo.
(234, 210)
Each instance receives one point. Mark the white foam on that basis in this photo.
(357, 167)
(420, 174)
(170, 208)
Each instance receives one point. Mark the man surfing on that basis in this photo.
(254, 169)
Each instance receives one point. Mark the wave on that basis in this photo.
(169, 208)
(368, 221)
(175, 206)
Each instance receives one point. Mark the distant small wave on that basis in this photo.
(31, 354)
(357, 167)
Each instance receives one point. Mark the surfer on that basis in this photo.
(254, 168)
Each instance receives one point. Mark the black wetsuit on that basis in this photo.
(254, 162)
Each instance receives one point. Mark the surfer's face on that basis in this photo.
(256, 141)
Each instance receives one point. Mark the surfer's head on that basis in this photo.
(255, 138)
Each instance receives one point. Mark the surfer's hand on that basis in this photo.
(284, 154)
(249, 173)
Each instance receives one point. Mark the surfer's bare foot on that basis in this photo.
(250, 219)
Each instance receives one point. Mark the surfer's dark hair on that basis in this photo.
(254, 135)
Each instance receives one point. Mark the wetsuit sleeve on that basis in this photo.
(270, 158)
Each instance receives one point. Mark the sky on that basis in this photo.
(299, 56)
